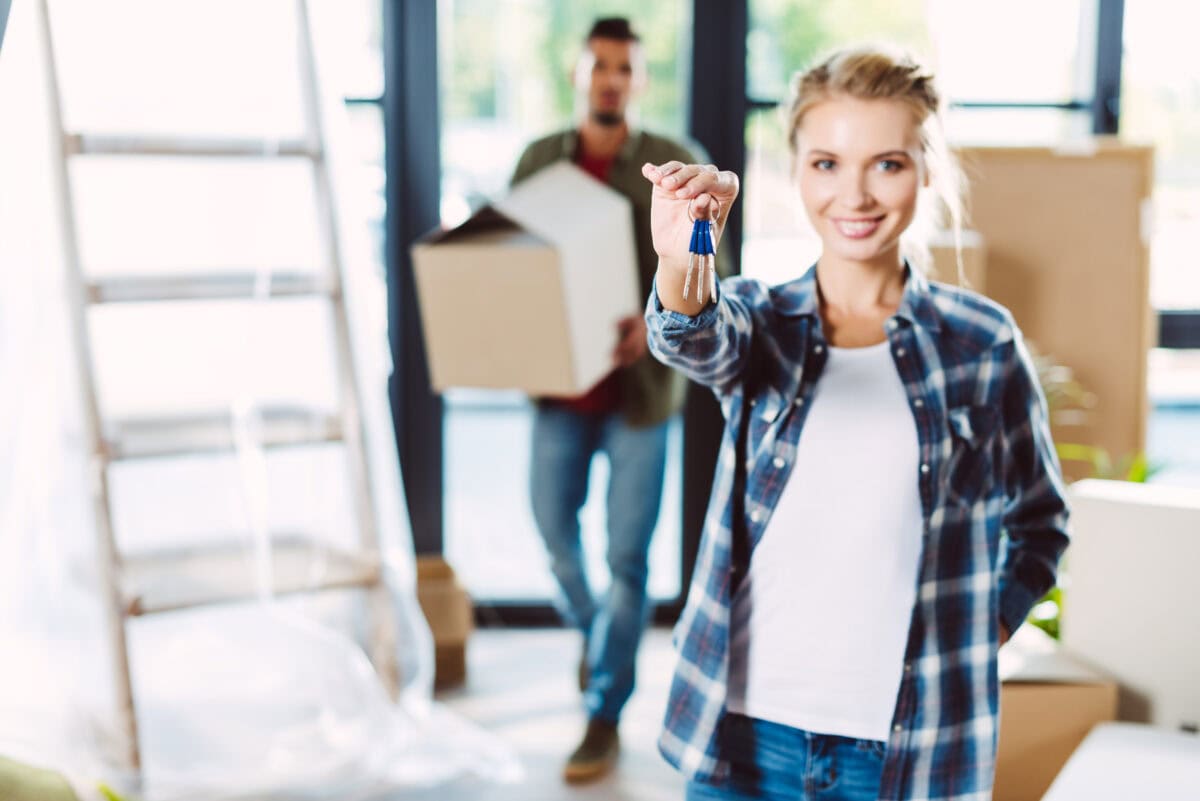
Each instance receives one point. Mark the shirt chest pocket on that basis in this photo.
(968, 473)
(766, 413)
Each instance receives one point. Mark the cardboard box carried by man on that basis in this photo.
(526, 294)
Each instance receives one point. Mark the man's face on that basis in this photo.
(609, 71)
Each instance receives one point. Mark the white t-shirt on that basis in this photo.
(820, 623)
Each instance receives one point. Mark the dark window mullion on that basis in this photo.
(413, 167)
(1179, 329)
(1106, 102)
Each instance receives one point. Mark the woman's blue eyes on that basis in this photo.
(885, 165)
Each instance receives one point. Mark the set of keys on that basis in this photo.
(704, 247)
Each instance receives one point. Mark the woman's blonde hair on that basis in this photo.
(881, 72)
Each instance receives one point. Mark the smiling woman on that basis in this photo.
(868, 143)
(881, 430)
(859, 167)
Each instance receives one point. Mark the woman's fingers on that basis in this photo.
(715, 182)
(691, 180)
(683, 193)
(705, 206)
(657, 174)
(672, 175)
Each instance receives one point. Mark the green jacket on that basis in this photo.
(650, 391)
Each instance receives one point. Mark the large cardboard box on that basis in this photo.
(1067, 234)
(526, 294)
(1124, 761)
(1049, 701)
(450, 615)
(945, 260)
(1133, 603)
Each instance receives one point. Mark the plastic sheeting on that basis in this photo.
(265, 699)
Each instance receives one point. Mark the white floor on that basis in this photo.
(521, 686)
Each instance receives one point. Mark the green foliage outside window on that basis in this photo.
(1068, 402)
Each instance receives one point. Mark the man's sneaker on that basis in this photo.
(596, 755)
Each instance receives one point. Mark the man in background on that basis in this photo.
(625, 415)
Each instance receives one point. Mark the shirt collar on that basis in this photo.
(799, 298)
(628, 149)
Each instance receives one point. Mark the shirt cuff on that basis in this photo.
(672, 320)
(1015, 602)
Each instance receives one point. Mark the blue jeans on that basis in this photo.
(773, 762)
(564, 443)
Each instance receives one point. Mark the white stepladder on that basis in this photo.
(183, 578)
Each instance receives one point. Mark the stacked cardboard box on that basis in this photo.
(448, 610)
(1049, 701)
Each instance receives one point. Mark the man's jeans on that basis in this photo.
(563, 445)
(773, 762)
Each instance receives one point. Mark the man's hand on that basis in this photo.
(631, 340)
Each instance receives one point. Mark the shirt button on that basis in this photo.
(817, 349)
(900, 351)
(779, 461)
(924, 468)
(756, 516)
(897, 727)
(799, 401)
(891, 323)
(918, 403)
(908, 667)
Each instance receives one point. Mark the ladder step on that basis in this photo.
(184, 578)
(180, 435)
(206, 286)
(223, 147)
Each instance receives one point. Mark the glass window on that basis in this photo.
(1174, 426)
(1159, 105)
(220, 68)
(779, 242)
(786, 35)
(355, 33)
(505, 72)
(366, 135)
(1023, 51)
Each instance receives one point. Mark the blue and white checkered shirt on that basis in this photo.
(992, 499)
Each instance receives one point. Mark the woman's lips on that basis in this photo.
(857, 229)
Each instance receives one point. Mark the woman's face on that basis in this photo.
(859, 167)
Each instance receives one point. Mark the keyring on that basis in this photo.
(715, 218)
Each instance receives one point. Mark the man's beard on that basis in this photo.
(609, 119)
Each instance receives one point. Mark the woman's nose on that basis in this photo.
(853, 191)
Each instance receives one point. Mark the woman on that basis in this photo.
(887, 505)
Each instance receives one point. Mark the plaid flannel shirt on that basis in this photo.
(992, 499)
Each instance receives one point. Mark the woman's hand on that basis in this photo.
(710, 193)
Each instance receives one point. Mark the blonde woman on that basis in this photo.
(887, 505)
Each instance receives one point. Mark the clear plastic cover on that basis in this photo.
(266, 697)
